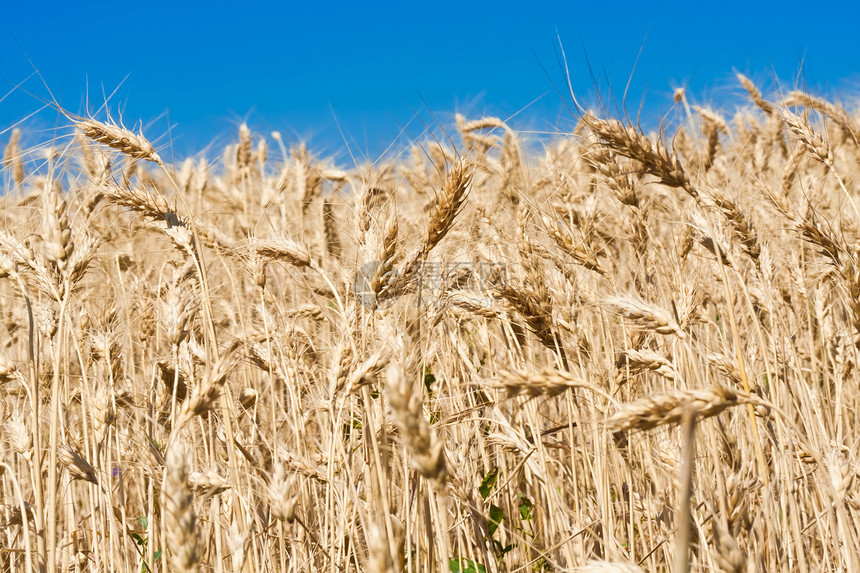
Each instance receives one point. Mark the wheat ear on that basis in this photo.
(117, 137)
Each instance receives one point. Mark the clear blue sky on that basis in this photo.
(204, 67)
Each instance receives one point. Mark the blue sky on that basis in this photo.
(365, 69)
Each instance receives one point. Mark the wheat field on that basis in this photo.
(619, 352)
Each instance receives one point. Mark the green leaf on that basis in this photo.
(138, 539)
(496, 517)
(352, 427)
(429, 380)
(501, 551)
(142, 521)
(144, 566)
(460, 565)
(160, 448)
(527, 510)
(488, 482)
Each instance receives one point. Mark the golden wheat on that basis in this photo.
(482, 357)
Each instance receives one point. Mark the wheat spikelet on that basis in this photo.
(715, 119)
(448, 204)
(534, 310)
(60, 246)
(368, 198)
(120, 138)
(840, 474)
(104, 413)
(443, 211)
(352, 376)
(378, 548)
(821, 235)
(637, 361)
(632, 143)
(204, 395)
(835, 112)
(332, 240)
(482, 306)
(381, 276)
(755, 95)
(179, 308)
(729, 558)
(809, 138)
(142, 201)
(547, 382)
(644, 315)
(206, 484)
(713, 125)
(12, 157)
(280, 249)
(248, 398)
(262, 152)
(426, 452)
(243, 150)
(78, 467)
(669, 408)
(742, 229)
(19, 435)
(282, 494)
(307, 468)
(620, 181)
(580, 255)
(725, 366)
(179, 518)
(479, 124)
